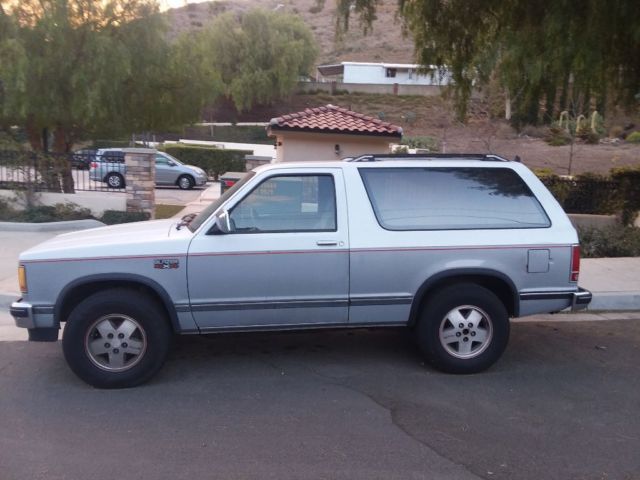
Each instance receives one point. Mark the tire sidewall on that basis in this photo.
(151, 319)
(189, 179)
(439, 304)
(120, 180)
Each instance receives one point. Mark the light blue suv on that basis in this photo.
(109, 167)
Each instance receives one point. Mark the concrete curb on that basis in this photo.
(50, 226)
(615, 301)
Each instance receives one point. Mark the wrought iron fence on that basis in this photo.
(60, 172)
(587, 195)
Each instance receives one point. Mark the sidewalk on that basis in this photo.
(209, 195)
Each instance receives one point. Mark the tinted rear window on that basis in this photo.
(451, 198)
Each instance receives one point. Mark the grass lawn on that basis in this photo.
(167, 211)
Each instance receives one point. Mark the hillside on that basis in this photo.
(384, 44)
(419, 116)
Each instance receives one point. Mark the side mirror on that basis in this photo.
(171, 163)
(222, 224)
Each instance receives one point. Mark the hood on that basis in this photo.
(197, 169)
(138, 238)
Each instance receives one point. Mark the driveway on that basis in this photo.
(561, 404)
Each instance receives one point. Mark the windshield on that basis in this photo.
(171, 157)
(213, 206)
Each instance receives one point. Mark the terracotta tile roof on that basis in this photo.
(332, 119)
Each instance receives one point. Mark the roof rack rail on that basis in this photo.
(377, 157)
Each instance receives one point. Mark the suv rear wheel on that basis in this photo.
(463, 328)
(116, 339)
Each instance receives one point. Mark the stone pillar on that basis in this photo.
(140, 180)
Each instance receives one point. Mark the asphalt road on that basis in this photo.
(561, 404)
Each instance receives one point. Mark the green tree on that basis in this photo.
(76, 68)
(566, 52)
(259, 55)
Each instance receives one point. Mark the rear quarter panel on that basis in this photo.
(388, 267)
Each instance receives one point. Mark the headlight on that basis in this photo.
(22, 278)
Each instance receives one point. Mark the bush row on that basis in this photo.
(63, 212)
(616, 241)
(214, 161)
(230, 133)
(618, 192)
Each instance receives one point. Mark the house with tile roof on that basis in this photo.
(330, 133)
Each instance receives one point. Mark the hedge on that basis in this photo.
(214, 161)
(618, 192)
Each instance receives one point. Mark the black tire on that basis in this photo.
(114, 180)
(185, 182)
(478, 314)
(104, 317)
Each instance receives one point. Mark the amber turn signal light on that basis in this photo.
(22, 278)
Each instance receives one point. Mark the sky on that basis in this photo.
(166, 4)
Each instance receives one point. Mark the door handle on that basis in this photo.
(327, 243)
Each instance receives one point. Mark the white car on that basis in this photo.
(449, 246)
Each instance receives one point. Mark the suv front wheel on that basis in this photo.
(116, 339)
(463, 328)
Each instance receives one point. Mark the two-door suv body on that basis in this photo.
(451, 246)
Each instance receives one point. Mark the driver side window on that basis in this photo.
(288, 203)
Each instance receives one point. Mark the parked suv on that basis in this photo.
(109, 167)
(449, 246)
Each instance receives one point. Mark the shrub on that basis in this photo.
(597, 194)
(615, 241)
(230, 133)
(558, 137)
(616, 131)
(428, 143)
(633, 137)
(214, 161)
(111, 217)
(44, 213)
(628, 192)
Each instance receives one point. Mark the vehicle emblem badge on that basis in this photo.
(166, 263)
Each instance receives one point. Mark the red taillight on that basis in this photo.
(228, 183)
(575, 263)
(94, 165)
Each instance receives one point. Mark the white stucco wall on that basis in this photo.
(97, 202)
(301, 146)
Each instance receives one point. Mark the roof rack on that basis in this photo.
(377, 157)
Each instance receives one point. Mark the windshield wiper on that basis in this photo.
(186, 220)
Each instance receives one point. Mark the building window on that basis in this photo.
(391, 72)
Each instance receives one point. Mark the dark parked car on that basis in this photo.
(82, 159)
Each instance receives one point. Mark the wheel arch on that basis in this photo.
(499, 283)
(80, 288)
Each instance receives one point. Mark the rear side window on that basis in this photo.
(451, 199)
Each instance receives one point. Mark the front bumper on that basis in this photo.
(581, 299)
(22, 313)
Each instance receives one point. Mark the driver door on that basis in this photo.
(285, 261)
